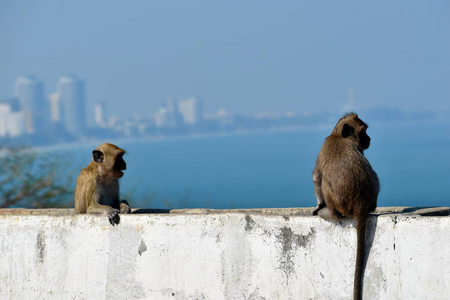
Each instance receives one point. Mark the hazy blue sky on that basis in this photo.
(246, 56)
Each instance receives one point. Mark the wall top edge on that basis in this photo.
(293, 211)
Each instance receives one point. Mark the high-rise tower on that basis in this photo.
(168, 115)
(30, 93)
(191, 110)
(71, 91)
(100, 113)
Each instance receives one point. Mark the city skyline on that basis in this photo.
(36, 104)
(61, 116)
(300, 56)
(33, 112)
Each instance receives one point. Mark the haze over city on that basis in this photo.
(277, 76)
(247, 57)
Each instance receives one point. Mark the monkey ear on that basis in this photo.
(347, 131)
(97, 156)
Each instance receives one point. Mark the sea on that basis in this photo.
(274, 168)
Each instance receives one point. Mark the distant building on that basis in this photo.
(100, 113)
(162, 117)
(12, 121)
(55, 108)
(71, 91)
(222, 117)
(30, 93)
(191, 110)
(168, 115)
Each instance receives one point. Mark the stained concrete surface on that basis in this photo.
(221, 254)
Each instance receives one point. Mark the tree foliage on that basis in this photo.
(31, 179)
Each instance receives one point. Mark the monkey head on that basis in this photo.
(350, 126)
(109, 160)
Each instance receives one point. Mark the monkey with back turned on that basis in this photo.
(345, 184)
(97, 187)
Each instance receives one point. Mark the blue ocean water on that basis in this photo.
(273, 169)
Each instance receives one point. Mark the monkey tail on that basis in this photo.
(361, 225)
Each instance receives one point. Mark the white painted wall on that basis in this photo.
(230, 255)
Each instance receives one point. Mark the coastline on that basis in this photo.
(89, 143)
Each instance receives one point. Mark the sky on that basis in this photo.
(244, 56)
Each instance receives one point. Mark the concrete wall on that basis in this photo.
(204, 254)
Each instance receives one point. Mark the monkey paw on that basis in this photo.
(318, 207)
(124, 207)
(113, 217)
(125, 210)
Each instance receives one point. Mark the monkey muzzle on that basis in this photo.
(118, 168)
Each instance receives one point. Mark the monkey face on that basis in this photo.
(361, 134)
(109, 160)
(364, 138)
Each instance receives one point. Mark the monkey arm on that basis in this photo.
(96, 208)
(80, 195)
(112, 213)
(80, 203)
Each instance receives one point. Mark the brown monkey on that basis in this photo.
(345, 184)
(97, 189)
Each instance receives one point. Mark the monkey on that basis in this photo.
(97, 185)
(345, 184)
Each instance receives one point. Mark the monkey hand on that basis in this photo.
(113, 216)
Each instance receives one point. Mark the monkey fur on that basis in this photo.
(97, 187)
(345, 184)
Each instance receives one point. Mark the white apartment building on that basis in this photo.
(12, 123)
(191, 110)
